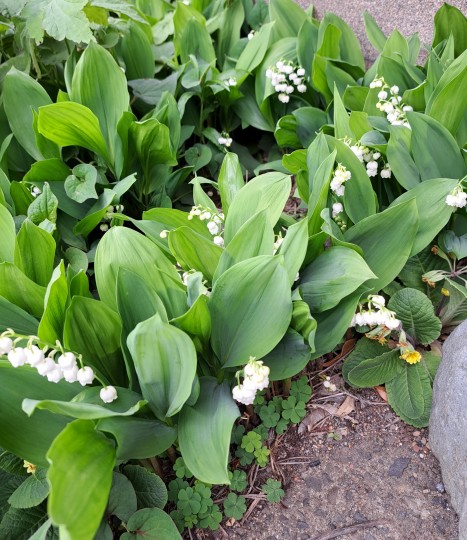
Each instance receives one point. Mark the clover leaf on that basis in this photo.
(174, 487)
(181, 470)
(237, 434)
(189, 502)
(234, 506)
(245, 458)
(281, 426)
(293, 410)
(190, 521)
(301, 389)
(238, 481)
(211, 519)
(262, 431)
(269, 416)
(262, 456)
(273, 490)
(179, 519)
(251, 441)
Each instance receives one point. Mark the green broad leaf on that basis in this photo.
(150, 488)
(255, 50)
(35, 253)
(289, 356)
(452, 244)
(32, 491)
(307, 45)
(95, 214)
(55, 302)
(26, 294)
(196, 41)
(294, 247)
(365, 348)
(22, 523)
(138, 438)
(43, 207)
(72, 124)
(204, 432)
(359, 199)
(309, 121)
(255, 237)
(287, 18)
(230, 180)
(11, 316)
(196, 322)
(81, 185)
(409, 394)
(456, 310)
(400, 158)
(94, 74)
(386, 240)
(377, 370)
(93, 329)
(129, 287)
(417, 266)
(348, 44)
(229, 31)
(333, 324)
(16, 428)
(194, 251)
(417, 315)
(60, 19)
(268, 191)
(122, 498)
(125, 248)
(81, 461)
(342, 127)
(8, 235)
(151, 524)
(433, 212)
(430, 361)
(332, 276)
(165, 361)
(257, 292)
(449, 20)
(435, 151)
(374, 33)
(87, 405)
(136, 52)
(318, 200)
(20, 89)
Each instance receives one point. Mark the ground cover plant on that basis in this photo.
(158, 288)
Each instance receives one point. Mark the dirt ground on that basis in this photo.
(357, 474)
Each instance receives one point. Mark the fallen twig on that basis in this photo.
(350, 529)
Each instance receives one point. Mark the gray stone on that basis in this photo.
(398, 467)
(448, 422)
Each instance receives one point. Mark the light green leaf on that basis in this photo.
(255, 50)
(8, 235)
(21, 96)
(196, 322)
(81, 461)
(26, 294)
(138, 438)
(257, 294)
(55, 301)
(32, 491)
(94, 74)
(332, 276)
(93, 329)
(374, 33)
(150, 488)
(400, 158)
(151, 524)
(135, 49)
(165, 361)
(293, 248)
(61, 19)
(204, 432)
(287, 17)
(71, 124)
(230, 180)
(386, 240)
(17, 430)
(268, 191)
(43, 207)
(36, 252)
(81, 185)
(416, 312)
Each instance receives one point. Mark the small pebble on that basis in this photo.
(416, 433)
(440, 487)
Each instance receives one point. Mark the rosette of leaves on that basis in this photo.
(408, 386)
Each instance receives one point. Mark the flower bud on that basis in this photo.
(108, 394)
(85, 376)
(45, 366)
(6, 344)
(67, 360)
(17, 357)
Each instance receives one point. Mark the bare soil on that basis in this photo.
(357, 474)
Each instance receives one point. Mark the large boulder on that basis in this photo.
(448, 422)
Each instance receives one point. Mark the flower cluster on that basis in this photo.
(341, 175)
(255, 378)
(68, 366)
(390, 102)
(225, 139)
(376, 315)
(337, 209)
(457, 197)
(214, 222)
(370, 158)
(109, 215)
(286, 78)
(328, 385)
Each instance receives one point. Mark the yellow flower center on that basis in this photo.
(411, 357)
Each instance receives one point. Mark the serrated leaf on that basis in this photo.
(151, 524)
(377, 370)
(365, 348)
(122, 498)
(149, 488)
(32, 491)
(20, 523)
(416, 312)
